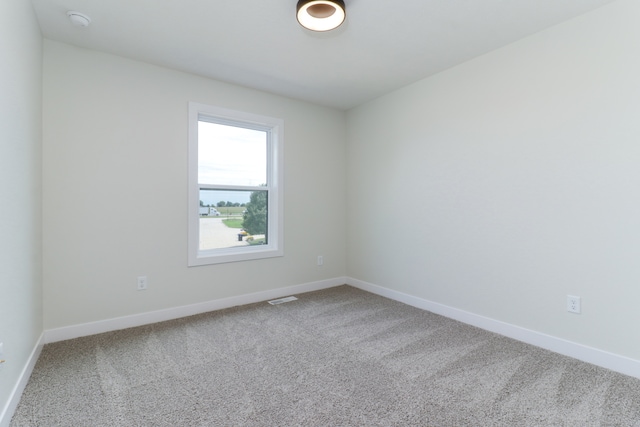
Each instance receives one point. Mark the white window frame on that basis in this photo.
(275, 136)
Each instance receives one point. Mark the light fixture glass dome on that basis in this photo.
(320, 15)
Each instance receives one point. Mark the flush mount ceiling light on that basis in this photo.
(78, 19)
(320, 15)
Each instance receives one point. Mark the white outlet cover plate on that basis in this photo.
(573, 304)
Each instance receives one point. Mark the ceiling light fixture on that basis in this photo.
(320, 15)
(78, 19)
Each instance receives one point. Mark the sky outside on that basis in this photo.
(230, 155)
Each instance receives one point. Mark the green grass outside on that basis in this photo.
(227, 211)
(233, 222)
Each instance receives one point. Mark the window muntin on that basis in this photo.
(235, 175)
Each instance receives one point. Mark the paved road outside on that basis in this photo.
(215, 235)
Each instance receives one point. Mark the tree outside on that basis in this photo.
(255, 217)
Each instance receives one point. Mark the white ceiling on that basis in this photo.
(383, 44)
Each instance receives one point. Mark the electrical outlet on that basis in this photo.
(573, 304)
(142, 283)
(320, 260)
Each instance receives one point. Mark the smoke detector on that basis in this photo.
(79, 19)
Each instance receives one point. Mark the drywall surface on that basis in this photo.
(20, 191)
(506, 183)
(115, 189)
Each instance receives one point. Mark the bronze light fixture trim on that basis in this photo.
(320, 15)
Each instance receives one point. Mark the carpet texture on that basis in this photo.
(337, 357)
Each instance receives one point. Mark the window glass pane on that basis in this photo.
(230, 155)
(232, 218)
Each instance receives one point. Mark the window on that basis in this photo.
(235, 179)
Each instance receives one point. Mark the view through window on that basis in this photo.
(230, 159)
(237, 187)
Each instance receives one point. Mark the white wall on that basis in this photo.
(20, 191)
(115, 189)
(502, 185)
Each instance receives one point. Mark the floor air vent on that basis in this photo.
(282, 300)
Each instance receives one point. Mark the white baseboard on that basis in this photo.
(92, 328)
(15, 395)
(614, 362)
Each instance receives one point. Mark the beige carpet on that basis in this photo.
(339, 357)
